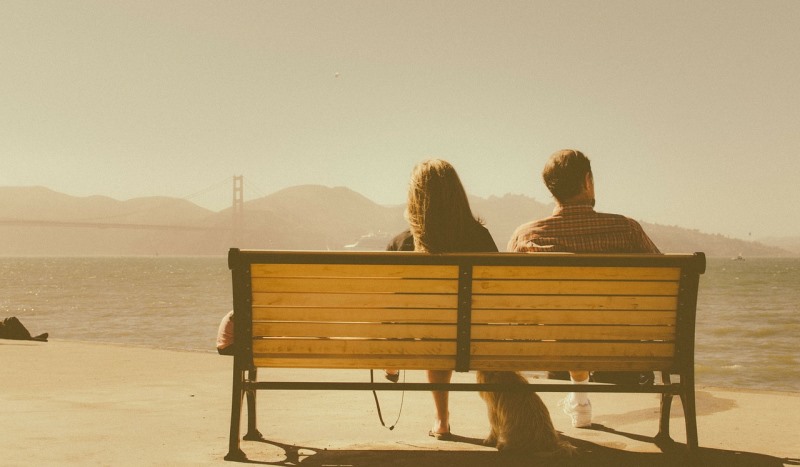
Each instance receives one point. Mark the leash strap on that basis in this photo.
(378, 404)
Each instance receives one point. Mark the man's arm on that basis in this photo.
(519, 238)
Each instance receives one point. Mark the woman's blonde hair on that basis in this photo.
(437, 210)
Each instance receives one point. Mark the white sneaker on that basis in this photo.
(581, 414)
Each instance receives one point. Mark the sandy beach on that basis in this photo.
(72, 403)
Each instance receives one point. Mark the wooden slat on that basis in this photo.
(533, 355)
(354, 285)
(576, 272)
(578, 302)
(637, 317)
(545, 287)
(354, 270)
(361, 330)
(355, 300)
(356, 315)
(353, 347)
(564, 349)
(565, 364)
(382, 315)
(537, 332)
(355, 362)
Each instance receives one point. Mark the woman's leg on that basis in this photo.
(441, 423)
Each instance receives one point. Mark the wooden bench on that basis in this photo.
(463, 312)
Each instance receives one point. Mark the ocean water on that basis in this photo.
(748, 316)
(748, 322)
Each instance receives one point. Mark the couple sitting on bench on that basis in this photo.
(441, 221)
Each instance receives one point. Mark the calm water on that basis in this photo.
(747, 327)
(748, 321)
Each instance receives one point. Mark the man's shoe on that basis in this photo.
(581, 414)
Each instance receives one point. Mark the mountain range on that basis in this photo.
(38, 221)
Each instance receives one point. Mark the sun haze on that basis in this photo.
(688, 110)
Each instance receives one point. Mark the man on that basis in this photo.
(575, 227)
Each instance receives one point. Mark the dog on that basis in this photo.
(519, 420)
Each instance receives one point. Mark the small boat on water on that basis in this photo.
(738, 258)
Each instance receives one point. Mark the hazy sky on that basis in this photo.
(689, 110)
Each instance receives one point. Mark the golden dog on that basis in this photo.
(519, 419)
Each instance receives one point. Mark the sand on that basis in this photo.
(72, 403)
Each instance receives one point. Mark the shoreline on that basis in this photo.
(84, 403)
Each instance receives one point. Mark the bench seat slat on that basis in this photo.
(554, 363)
(448, 363)
(355, 315)
(582, 287)
(356, 300)
(635, 317)
(566, 349)
(401, 315)
(576, 272)
(361, 330)
(574, 302)
(355, 285)
(291, 346)
(448, 331)
(415, 362)
(598, 332)
(298, 346)
(355, 270)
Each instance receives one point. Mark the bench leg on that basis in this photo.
(235, 452)
(666, 407)
(690, 414)
(252, 431)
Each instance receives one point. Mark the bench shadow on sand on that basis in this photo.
(588, 454)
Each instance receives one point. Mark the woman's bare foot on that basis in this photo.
(441, 430)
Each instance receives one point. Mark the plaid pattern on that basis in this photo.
(577, 228)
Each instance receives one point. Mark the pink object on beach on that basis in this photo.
(225, 333)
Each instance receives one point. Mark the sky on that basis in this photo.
(689, 111)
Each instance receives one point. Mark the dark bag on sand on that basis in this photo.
(614, 377)
(11, 328)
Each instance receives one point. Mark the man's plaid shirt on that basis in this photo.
(577, 228)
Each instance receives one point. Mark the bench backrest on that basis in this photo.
(464, 311)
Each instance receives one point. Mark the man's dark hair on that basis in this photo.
(565, 172)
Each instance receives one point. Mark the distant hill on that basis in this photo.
(504, 214)
(791, 244)
(673, 239)
(313, 217)
(42, 204)
(308, 217)
(38, 203)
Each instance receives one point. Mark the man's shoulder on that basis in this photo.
(640, 242)
(535, 224)
(620, 218)
(525, 233)
(529, 228)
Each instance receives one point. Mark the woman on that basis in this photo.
(440, 221)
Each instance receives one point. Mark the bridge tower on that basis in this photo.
(238, 210)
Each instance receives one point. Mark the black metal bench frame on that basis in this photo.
(245, 381)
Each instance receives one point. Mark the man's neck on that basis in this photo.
(580, 200)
